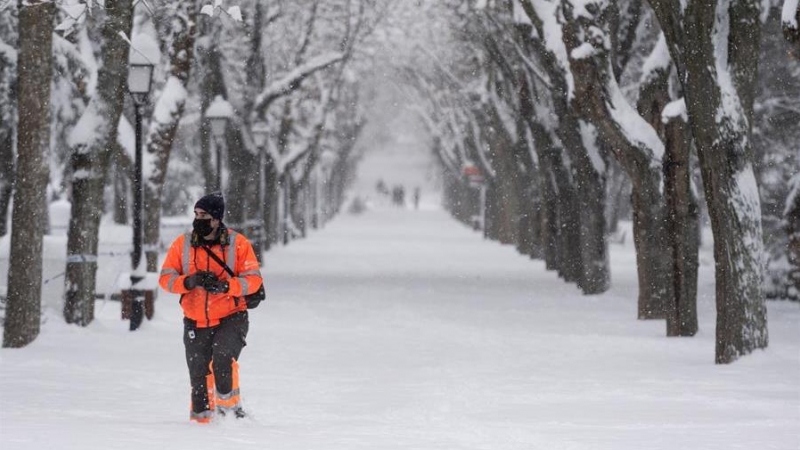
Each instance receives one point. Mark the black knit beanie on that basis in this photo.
(213, 204)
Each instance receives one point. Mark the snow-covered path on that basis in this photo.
(402, 329)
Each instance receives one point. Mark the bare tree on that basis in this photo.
(91, 140)
(180, 18)
(34, 72)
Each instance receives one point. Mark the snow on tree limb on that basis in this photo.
(790, 13)
(790, 19)
(292, 80)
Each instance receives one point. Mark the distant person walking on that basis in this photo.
(399, 195)
(416, 197)
(215, 311)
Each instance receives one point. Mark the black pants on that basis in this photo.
(222, 343)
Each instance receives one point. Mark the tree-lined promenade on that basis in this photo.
(550, 119)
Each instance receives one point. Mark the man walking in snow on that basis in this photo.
(213, 268)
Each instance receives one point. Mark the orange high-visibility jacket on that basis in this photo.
(186, 257)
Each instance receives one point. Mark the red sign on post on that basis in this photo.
(473, 174)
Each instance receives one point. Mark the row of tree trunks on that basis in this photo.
(597, 98)
(90, 161)
(715, 47)
(584, 183)
(23, 307)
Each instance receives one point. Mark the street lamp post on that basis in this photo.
(260, 132)
(140, 76)
(219, 113)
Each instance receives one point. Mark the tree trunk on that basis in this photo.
(682, 230)
(681, 215)
(270, 202)
(162, 130)
(34, 73)
(591, 182)
(211, 85)
(8, 77)
(120, 196)
(792, 219)
(6, 177)
(716, 49)
(90, 160)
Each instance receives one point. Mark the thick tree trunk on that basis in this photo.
(591, 182)
(241, 182)
(653, 256)
(164, 128)
(90, 161)
(682, 230)
(716, 46)
(34, 73)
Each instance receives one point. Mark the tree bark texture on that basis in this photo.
(34, 73)
(682, 230)
(90, 162)
(715, 44)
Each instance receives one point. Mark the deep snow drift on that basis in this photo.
(402, 329)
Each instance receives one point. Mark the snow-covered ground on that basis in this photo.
(401, 329)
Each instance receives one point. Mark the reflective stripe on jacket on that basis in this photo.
(184, 259)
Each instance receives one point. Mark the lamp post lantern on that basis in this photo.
(260, 132)
(219, 113)
(144, 54)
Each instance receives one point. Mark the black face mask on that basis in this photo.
(202, 227)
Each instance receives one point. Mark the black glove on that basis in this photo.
(215, 286)
(197, 279)
(252, 303)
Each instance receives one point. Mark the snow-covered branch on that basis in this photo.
(292, 80)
